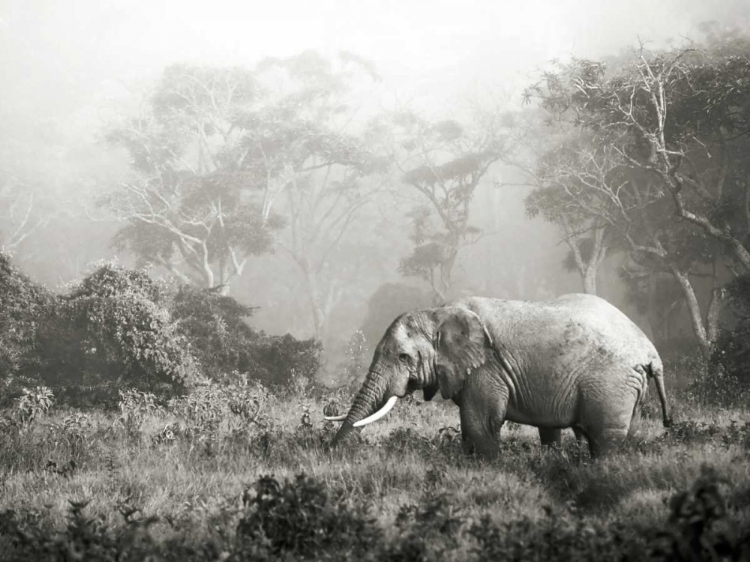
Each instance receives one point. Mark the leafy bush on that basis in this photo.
(282, 360)
(29, 407)
(214, 325)
(236, 408)
(118, 329)
(115, 326)
(699, 526)
(135, 408)
(23, 308)
(731, 354)
(222, 342)
(302, 519)
(695, 379)
(428, 531)
(556, 539)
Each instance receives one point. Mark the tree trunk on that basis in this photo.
(313, 293)
(589, 280)
(696, 318)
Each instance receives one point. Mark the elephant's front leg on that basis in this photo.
(482, 416)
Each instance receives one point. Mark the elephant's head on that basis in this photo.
(422, 350)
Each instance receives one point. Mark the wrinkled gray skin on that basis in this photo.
(575, 361)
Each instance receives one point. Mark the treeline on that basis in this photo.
(118, 329)
(644, 163)
(639, 161)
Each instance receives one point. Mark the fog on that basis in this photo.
(72, 69)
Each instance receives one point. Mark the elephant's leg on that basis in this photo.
(482, 416)
(578, 432)
(553, 437)
(466, 441)
(606, 440)
(550, 437)
(607, 410)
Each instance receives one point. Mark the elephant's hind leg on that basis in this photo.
(550, 437)
(603, 441)
(607, 407)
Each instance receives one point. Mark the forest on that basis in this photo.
(194, 271)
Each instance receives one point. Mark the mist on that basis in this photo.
(73, 70)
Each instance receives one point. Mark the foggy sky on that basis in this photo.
(423, 48)
(65, 64)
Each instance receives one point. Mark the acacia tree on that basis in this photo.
(20, 215)
(192, 204)
(570, 181)
(323, 174)
(675, 124)
(444, 162)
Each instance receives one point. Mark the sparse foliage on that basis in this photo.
(444, 162)
(192, 205)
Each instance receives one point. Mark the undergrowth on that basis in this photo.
(240, 473)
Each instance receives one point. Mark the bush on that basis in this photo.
(302, 519)
(282, 361)
(213, 324)
(223, 343)
(115, 326)
(24, 306)
(731, 355)
(118, 329)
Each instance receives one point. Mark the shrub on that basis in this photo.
(557, 539)
(699, 527)
(223, 342)
(24, 306)
(428, 531)
(214, 325)
(302, 519)
(283, 360)
(731, 354)
(115, 326)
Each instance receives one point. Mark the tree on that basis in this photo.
(193, 205)
(327, 174)
(443, 161)
(674, 125)
(567, 181)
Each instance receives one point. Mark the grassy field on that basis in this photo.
(240, 474)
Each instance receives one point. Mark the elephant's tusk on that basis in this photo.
(342, 417)
(379, 414)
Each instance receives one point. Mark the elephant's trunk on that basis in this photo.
(370, 398)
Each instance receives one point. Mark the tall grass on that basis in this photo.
(239, 473)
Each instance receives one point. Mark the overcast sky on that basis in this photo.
(423, 48)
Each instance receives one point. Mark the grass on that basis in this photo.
(202, 480)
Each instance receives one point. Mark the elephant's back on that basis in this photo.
(576, 326)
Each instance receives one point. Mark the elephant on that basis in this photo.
(575, 361)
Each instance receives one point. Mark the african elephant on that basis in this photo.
(574, 361)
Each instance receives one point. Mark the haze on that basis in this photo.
(70, 69)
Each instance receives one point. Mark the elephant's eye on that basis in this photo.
(404, 358)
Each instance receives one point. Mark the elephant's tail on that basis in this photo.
(657, 372)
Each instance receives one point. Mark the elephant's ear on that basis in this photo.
(462, 345)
